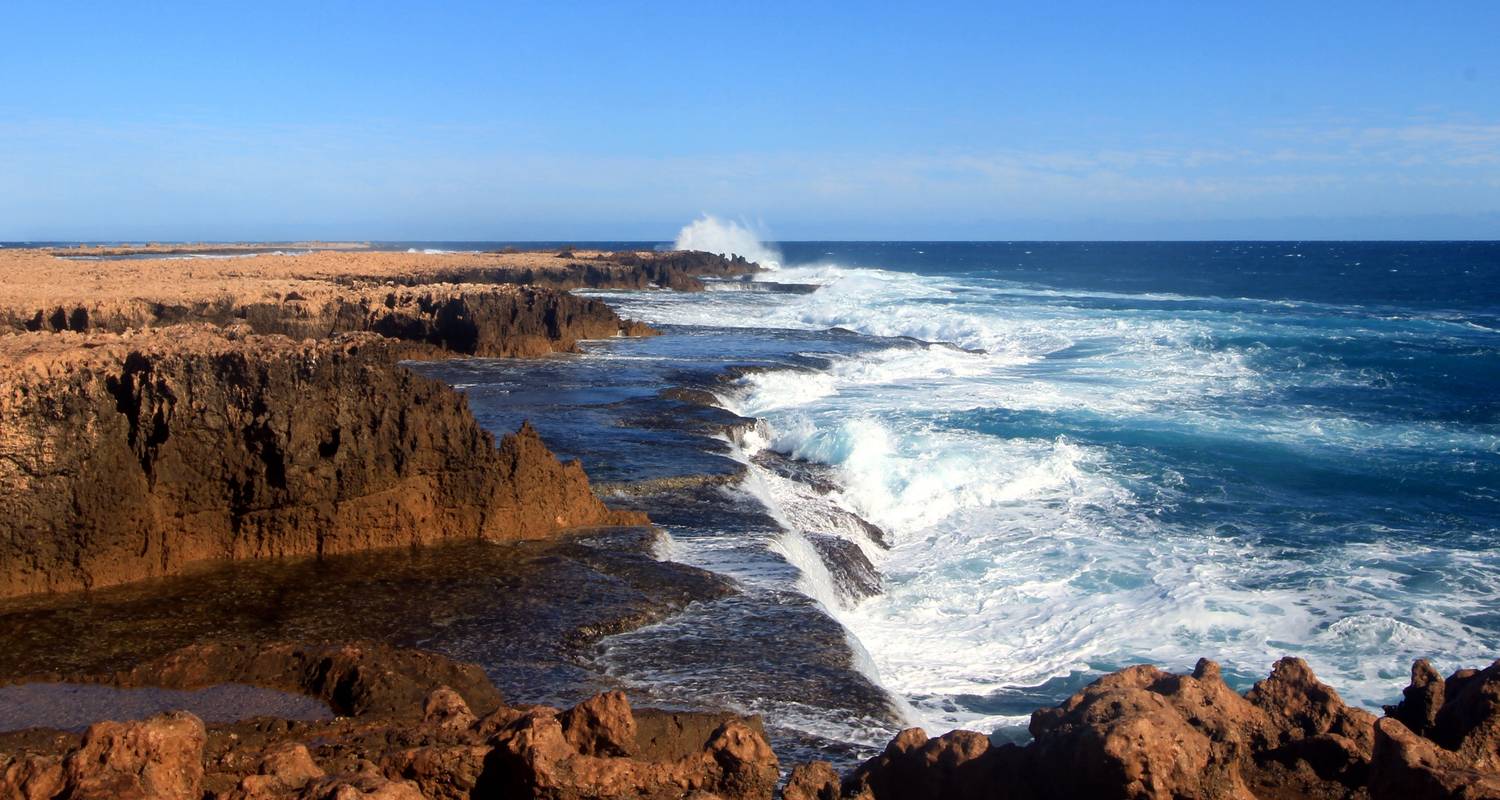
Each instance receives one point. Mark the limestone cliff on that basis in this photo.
(130, 456)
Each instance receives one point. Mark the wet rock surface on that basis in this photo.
(528, 612)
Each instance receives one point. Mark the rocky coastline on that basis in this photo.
(410, 724)
(159, 416)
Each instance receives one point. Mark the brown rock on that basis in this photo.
(1144, 733)
(368, 784)
(160, 758)
(1299, 705)
(1421, 700)
(284, 771)
(446, 709)
(157, 450)
(602, 725)
(444, 772)
(31, 777)
(1443, 739)
(1469, 720)
(535, 757)
(959, 764)
(815, 780)
(1409, 767)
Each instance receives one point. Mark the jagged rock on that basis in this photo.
(1421, 699)
(160, 758)
(149, 452)
(1145, 733)
(815, 780)
(535, 756)
(603, 725)
(31, 777)
(959, 765)
(284, 771)
(367, 784)
(445, 772)
(446, 709)
(1443, 739)
(1409, 767)
(154, 411)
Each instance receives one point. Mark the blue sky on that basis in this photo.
(806, 120)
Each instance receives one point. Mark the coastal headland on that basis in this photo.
(164, 415)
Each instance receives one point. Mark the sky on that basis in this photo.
(610, 121)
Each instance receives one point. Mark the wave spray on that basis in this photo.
(713, 235)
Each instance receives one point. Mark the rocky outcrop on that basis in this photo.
(1145, 733)
(468, 303)
(445, 319)
(1136, 733)
(1443, 739)
(125, 457)
(438, 747)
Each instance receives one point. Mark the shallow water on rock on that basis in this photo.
(527, 612)
(75, 706)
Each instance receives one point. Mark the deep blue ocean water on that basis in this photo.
(1124, 452)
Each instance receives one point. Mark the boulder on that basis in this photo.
(160, 758)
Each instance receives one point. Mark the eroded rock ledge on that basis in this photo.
(135, 455)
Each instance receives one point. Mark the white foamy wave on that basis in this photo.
(1025, 562)
(713, 235)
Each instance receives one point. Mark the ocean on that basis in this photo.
(959, 480)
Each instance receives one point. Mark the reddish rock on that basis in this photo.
(1145, 733)
(959, 765)
(1421, 699)
(445, 709)
(284, 771)
(444, 772)
(816, 780)
(160, 758)
(603, 725)
(161, 449)
(1409, 767)
(536, 757)
(31, 777)
(1443, 739)
(368, 784)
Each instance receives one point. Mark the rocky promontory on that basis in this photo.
(135, 455)
(161, 412)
